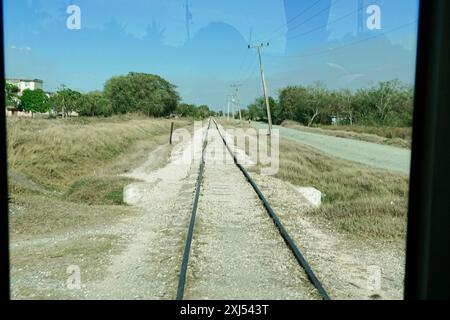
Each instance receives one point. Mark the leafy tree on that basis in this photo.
(293, 103)
(317, 102)
(193, 111)
(203, 111)
(94, 104)
(34, 101)
(275, 111)
(289, 99)
(387, 103)
(187, 110)
(11, 93)
(66, 100)
(244, 113)
(141, 92)
(258, 111)
(341, 106)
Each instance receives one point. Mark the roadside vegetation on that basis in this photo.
(385, 104)
(380, 114)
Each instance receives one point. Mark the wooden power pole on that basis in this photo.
(237, 100)
(266, 97)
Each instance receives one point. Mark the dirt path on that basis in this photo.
(147, 267)
(237, 252)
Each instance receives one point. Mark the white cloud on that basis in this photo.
(26, 48)
(336, 66)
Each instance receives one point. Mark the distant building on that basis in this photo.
(24, 84)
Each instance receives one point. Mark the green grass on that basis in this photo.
(394, 136)
(98, 190)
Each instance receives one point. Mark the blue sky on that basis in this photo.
(310, 40)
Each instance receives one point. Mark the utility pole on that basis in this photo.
(233, 102)
(188, 17)
(360, 26)
(63, 107)
(237, 100)
(228, 107)
(266, 97)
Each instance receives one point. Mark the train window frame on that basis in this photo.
(427, 240)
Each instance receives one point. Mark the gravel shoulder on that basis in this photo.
(147, 267)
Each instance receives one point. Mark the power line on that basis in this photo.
(244, 59)
(314, 16)
(252, 70)
(284, 25)
(353, 43)
(329, 23)
(309, 19)
(240, 72)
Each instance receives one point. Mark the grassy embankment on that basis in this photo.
(394, 136)
(63, 178)
(358, 200)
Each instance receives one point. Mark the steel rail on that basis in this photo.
(187, 248)
(283, 232)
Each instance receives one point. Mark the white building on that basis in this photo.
(24, 84)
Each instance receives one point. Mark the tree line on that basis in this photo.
(388, 103)
(132, 93)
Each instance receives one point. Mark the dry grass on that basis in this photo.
(51, 162)
(40, 215)
(394, 136)
(358, 200)
(56, 153)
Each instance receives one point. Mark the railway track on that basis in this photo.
(290, 243)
